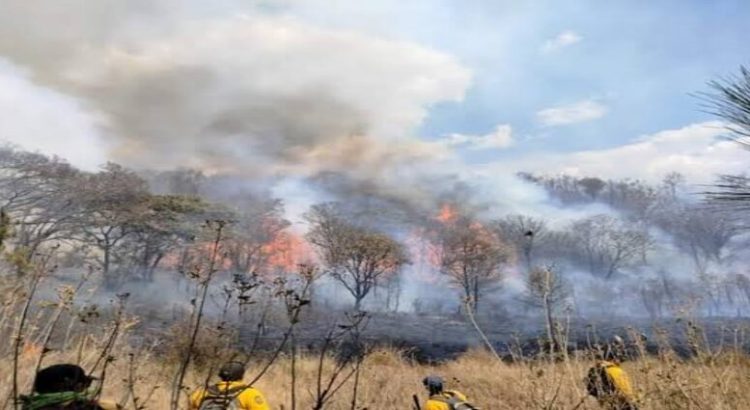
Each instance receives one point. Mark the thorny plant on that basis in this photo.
(41, 269)
(295, 298)
(37, 336)
(241, 291)
(133, 379)
(347, 365)
(204, 276)
(66, 296)
(106, 356)
(292, 291)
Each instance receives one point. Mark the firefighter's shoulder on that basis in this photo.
(252, 398)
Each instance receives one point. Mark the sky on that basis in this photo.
(390, 92)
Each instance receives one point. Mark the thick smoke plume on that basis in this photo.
(238, 91)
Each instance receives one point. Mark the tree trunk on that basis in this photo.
(106, 266)
(476, 296)
(527, 256)
(550, 321)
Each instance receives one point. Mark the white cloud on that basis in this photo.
(41, 120)
(500, 137)
(565, 39)
(696, 151)
(582, 111)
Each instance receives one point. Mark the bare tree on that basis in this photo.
(546, 289)
(607, 245)
(742, 284)
(204, 275)
(525, 233)
(393, 289)
(356, 257)
(702, 233)
(635, 198)
(671, 184)
(653, 295)
(472, 257)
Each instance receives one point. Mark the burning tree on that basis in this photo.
(355, 256)
(258, 224)
(471, 256)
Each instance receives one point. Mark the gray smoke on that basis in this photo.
(233, 89)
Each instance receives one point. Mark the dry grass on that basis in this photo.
(389, 381)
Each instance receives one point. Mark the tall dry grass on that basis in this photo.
(142, 378)
(389, 380)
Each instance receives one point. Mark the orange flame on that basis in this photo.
(287, 251)
(425, 255)
(447, 214)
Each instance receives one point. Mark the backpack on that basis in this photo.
(58, 401)
(217, 399)
(598, 383)
(453, 401)
(78, 405)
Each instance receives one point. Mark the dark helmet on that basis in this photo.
(232, 371)
(433, 383)
(60, 378)
(614, 351)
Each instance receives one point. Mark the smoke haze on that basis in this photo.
(269, 101)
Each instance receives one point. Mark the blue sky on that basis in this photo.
(639, 59)
(574, 86)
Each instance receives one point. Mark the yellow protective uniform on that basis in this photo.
(108, 405)
(623, 396)
(437, 402)
(249, 399)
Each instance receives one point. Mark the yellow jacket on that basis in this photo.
(249, 399)
(440, 401)
(620, 379)
(617, 391)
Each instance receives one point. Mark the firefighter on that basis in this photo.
(609, 382)
(64, 387)
(441, 399)
(229, 393)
